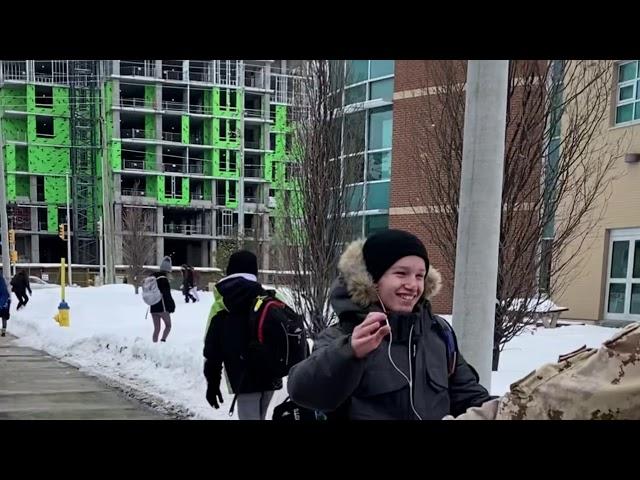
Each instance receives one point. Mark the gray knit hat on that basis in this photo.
(165, 265)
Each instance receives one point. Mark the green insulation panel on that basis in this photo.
(226, 170)
(48, 159)
(15, 129)
(13, 97)
(280, 124)
(61, 133)
(150, 157)
(184, 200)
(23, 186)
(234, 105)
(52, 218)
(116, 155)
(222, 134)
(231, 200)
(149, 95)
(185, 129)
(151, 186)
(150, 125)
(59, 102)
(208, 190)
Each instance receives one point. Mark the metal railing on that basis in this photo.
(174, 106)
(172, 75)
(200, 76)
(196, 140)
(174, 168)
(129, 164)
(172, 137)
(253, 112)
(15, 136)
(253, 171)
(197, 196)
(253, 77)
(225, 231)
(221, 200)
(43, 226)
(135, 103)
(133, 192)
(251, 199)
(252, 144)
(184, 229)
(201, 109)
(135, 71)
(195, 167)
(132, 133)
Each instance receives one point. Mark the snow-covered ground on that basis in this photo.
(110, 336)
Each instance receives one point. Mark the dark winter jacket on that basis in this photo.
(227, 337)
(20, 283)
(166, 304)
(187, 280)
(371, 388)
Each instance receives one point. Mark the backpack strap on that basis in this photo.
(446, 334)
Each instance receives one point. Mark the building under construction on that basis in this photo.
(201, 144)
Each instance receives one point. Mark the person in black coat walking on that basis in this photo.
(188, 283)
(166, 306)
(20, 286)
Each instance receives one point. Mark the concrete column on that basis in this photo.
(474, 297)
(119, 260)
(159, 238)
(204, 253)
(115, 67)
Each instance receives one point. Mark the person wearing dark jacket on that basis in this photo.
(165, 307)
(227, 338)
(20, 286)
(187, 283)
(5, 305)
(387, 358)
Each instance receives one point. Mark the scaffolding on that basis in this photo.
(84, 102)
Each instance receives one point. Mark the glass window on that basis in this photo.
(636, 115)
(627, 72)
(374, 223)
(354, 133)
(636, 260)
(354, 168)
(619, 259)
(624, 113)
(379, 166)
(635, 298)
(377, 195)
(354, 198)
(626, 93)
(355, 227)
(382, 89)
(380, 68)
(357, 71)
(355, 94)
(380, 128)
(616, 298)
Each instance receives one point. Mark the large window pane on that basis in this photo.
(636, 260)
(624, 113)
(627, 72)
(382, 89)
(380, 68)
(355, 94)
(380, 128)
(355, 227)
(377, 195)
(616, 298)
(354, 168)
(379, 166)
(354, 133)
(374, 223)
(354, 198)
(635, 299)
(619, 259)
(626, 93)
(357, 71)
(636, 115)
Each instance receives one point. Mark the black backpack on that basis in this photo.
(277, 338)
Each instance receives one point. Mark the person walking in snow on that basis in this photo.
(163, 309)
(187, 283)
(20, 286)
(389, 357)
(227, 338)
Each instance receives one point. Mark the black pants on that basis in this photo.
(187, 295)
(22, 298)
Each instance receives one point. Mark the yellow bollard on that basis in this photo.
(62, 317)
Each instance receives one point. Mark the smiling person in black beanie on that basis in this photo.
(227, 337)
(389, 357)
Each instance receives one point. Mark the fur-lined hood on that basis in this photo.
(358, 281)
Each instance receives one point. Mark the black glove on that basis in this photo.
(214, 396)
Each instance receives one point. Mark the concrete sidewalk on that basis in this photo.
(35, 386)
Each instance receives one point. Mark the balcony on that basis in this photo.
(184, 229)
(196, 140)
(128, 164)
(252, 144)
(172, 137)
(135, 103)
(196, 167)
(253, 171)
(253, 113)
(132, 192)
(172, 75)
(197, 196)
(174, 167)
(201, 109)
(132, 133)
(172, 106)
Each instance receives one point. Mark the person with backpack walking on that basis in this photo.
(256, 336)
(187, 283)
(156, 292)
(389, 357)
(5, 305)
(20, 286)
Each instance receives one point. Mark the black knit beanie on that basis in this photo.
(382, 249)
(243, 261)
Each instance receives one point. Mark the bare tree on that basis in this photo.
(313, 226)
(138, 243)
(557, 173)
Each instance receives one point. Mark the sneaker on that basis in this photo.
(3, 333)
(163, 340)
